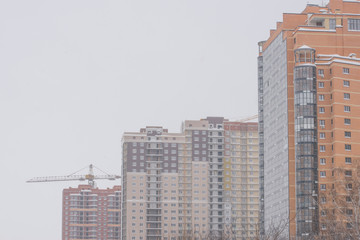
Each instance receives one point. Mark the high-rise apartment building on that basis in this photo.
(198, 183)
(309, 115)
(91, 213)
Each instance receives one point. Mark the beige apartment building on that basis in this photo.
(198, 183)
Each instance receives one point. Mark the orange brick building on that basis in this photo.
(91, 213)
(309, 113)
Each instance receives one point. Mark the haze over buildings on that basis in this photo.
(75, 75)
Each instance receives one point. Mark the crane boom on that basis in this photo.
(248, 118)
(71, 178)
(90, 177)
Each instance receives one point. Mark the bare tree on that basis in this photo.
(339, 206)
(276, 230)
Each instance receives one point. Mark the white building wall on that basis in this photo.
(275, 132)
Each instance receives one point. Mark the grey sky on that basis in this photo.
(74, 75)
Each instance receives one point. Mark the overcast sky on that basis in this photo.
(74, 75)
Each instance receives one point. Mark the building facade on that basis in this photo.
(198, 183)
(309, 109)
(91, 213)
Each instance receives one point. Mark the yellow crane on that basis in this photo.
(90, 177)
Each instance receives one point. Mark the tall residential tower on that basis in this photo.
(309, 114)
(198, 183)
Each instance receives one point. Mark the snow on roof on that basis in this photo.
(317, 30)
(339, 61)
(304, 47)
(307, 64)
(331, 56)
(347, 62)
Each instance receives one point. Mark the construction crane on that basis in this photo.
(248, 118)
(90, 177)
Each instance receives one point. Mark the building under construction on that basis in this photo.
(89, 212)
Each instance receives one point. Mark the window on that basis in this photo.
(349, 212)
(347, 121)
(346, 108)
(322, 187)
(323, 199)
(322, 161)
(322, 148)
(347, 96)
(346, 83)
(348, 160)
(322, 123)
(321, 97)
(347, 134)
(353, 24)
(349, 186)
(321, 84)
(323, 226)
(348, 173)
(322, 174)
(322, 135)
(346, 70)
(332, 23)
(321, 110)
(321, 72)
(347, 147)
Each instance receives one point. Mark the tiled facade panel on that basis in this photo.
(276, 154)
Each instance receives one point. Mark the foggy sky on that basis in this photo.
(74, 75)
